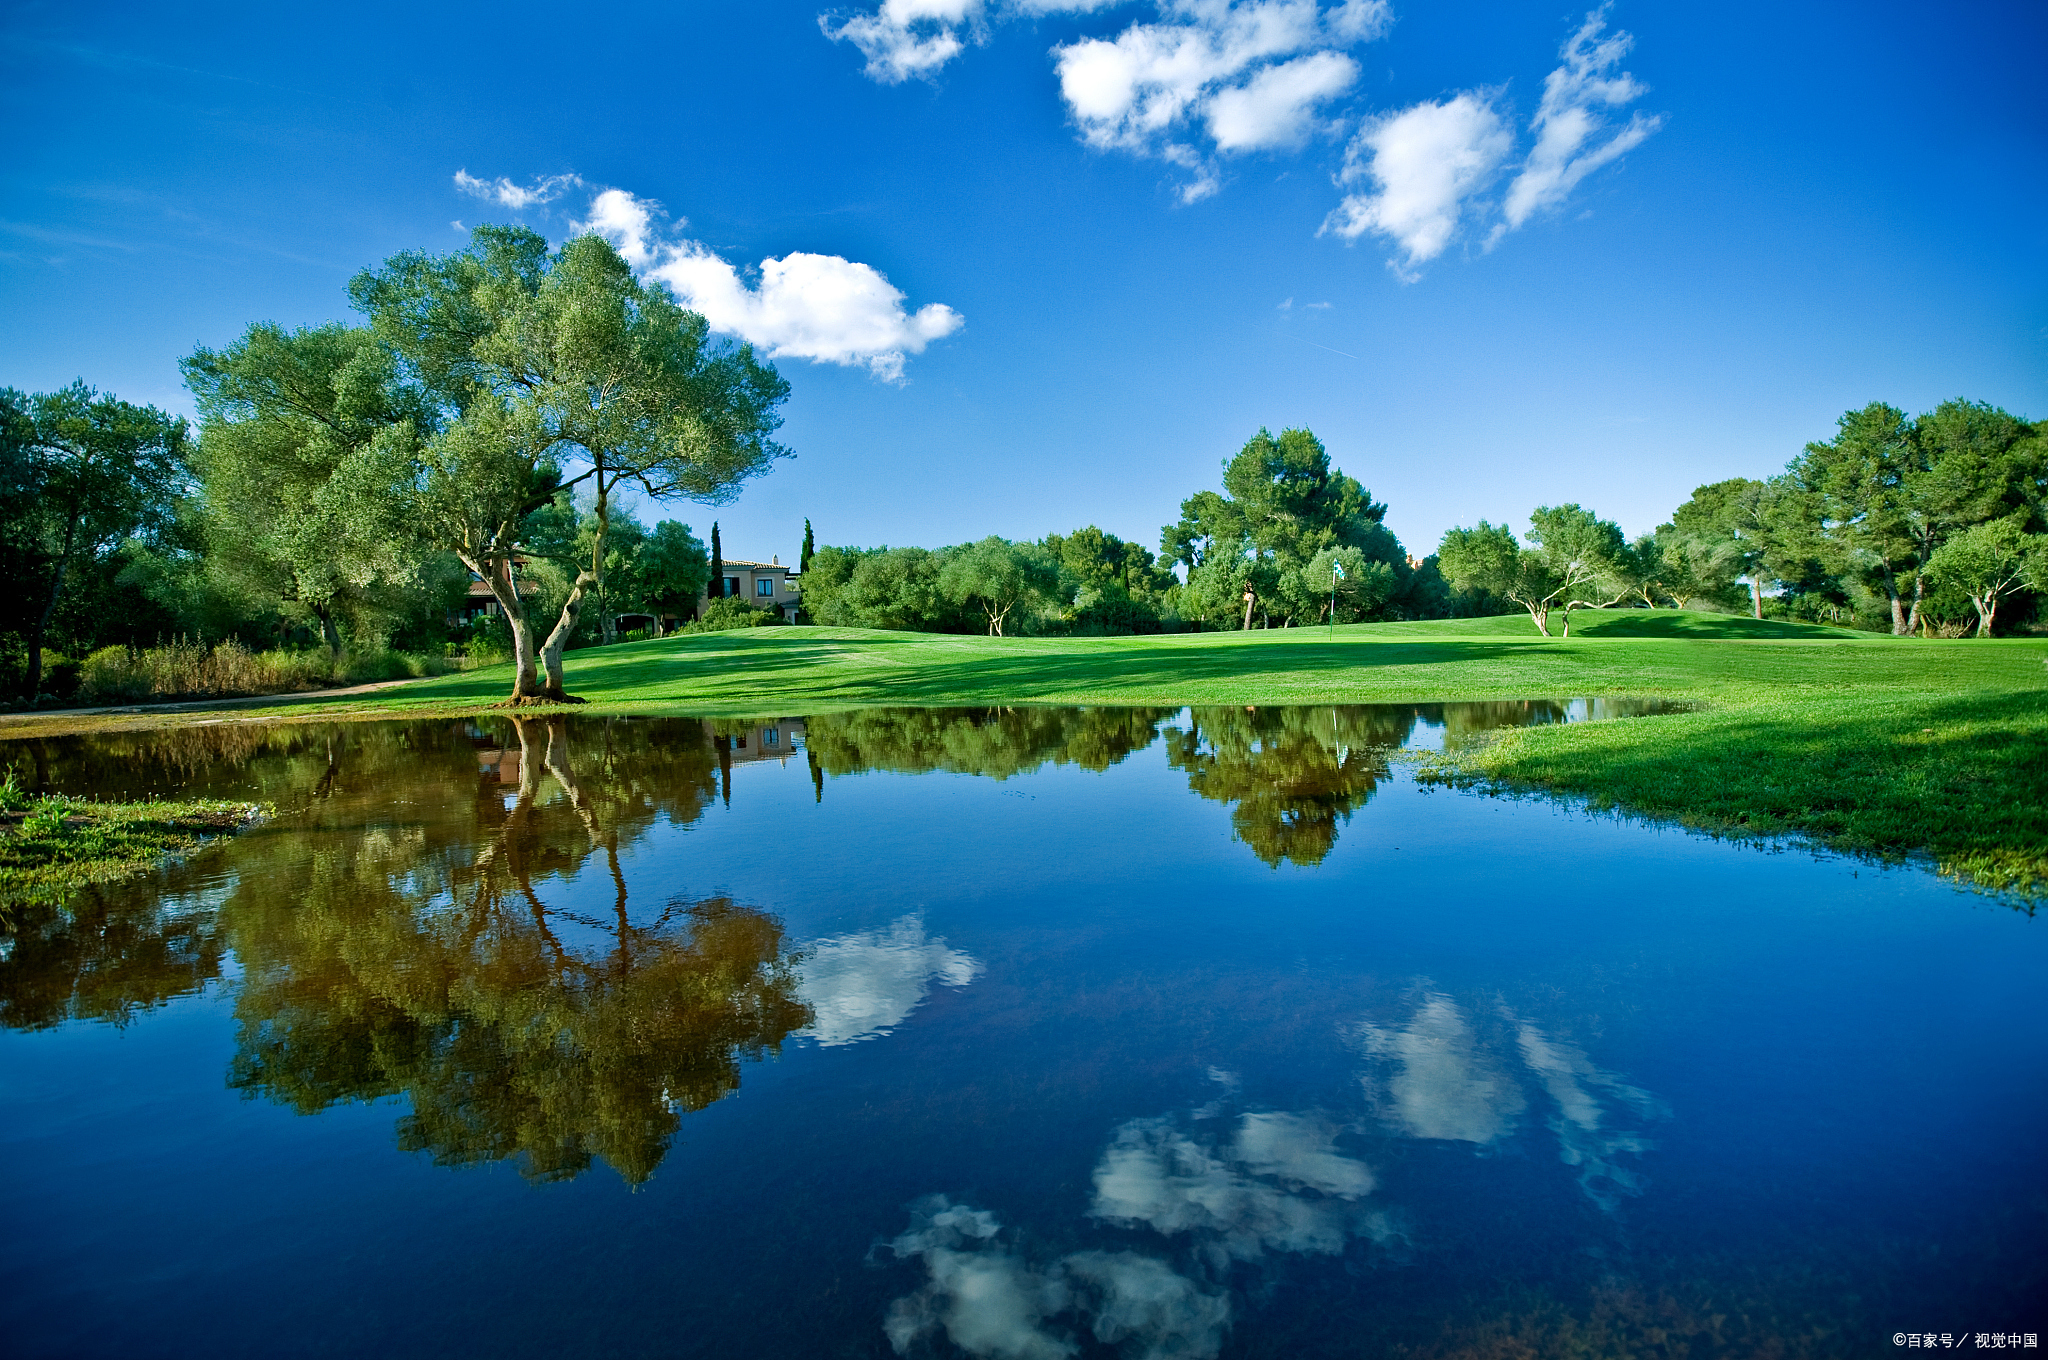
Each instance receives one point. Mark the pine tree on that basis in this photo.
(715, 588)
(803, 560)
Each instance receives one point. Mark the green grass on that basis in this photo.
(1864, 743)
(53, 847)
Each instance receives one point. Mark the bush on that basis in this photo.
(729, 613)
(189, 669)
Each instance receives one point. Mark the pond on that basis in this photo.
(1018, 1033)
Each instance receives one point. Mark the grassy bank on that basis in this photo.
(1873, 744)
(51, 847)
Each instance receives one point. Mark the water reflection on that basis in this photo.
(425, 961)
(1448, 1074)
(863, 985)
(442, 912)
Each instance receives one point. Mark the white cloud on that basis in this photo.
(1280, 1185)
(1444, 1086)
(503, 192)
(820, 307)
(863, 985)
(1570, 121)
(991, 1302)
(1277, 106)
(1587, 1135)
(1422, 165)
(1201, 78)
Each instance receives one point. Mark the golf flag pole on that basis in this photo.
(1336, 575)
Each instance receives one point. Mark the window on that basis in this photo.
(770, 737)
(765, 586)
(732, 585)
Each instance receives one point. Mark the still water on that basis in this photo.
(1018, 1034)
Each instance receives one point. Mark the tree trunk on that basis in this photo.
(551, 650)
(1987, 609)
(497, 574)
(1900, 626)
(35, 638)
(1919, 596)
(1541, 617)
(1756, 596)
(328, 632)
(1249, 600)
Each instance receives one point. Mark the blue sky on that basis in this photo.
(1033, 264)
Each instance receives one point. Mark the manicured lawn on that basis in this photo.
(1865, 743)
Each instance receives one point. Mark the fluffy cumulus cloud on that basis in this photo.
(1193, 81)
(820, 307)
(1413, 172)
(1263, 1182)
(990, 1301)
(1211, 78)
(863, 985)
(1443, 1085)
(1414, 177)
(1197, 82)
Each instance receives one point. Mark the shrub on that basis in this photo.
(728, 613)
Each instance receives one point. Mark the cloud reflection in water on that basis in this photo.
(861, 986)
(1445, 1084)
(1276, 1183)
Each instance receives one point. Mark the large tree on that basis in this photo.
(1282, 503)
(1890, 490)
(308, 452)
(560, 369)
(1576, 562)
(997, 577)
(1990, 561)
(80, 474)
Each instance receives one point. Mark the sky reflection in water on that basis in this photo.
(1066, 1061)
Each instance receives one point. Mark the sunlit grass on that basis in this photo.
(51, 846)
(1861, 742)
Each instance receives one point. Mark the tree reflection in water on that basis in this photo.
(1290, 774)
(386, 963)
(404, 931)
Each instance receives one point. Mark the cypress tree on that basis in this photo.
(717, 586)
(803, 560)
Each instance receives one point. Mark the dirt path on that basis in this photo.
(36, 721)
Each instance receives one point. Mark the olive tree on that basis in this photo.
(1988, 562)
(558, 369)
(1574, 563)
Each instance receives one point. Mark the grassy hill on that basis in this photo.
(1866, 743)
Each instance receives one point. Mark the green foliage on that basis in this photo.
(997, 577)
(548, 370)
(52, 848)
(1578, 561)
(1888, 491)
(307, 459)
(81, 474)
(1988, 562)
(1282, 504)
(188, 669)
(731, 612)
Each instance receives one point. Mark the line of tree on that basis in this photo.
(1261, 552)
(349, 482)
(1919, 524)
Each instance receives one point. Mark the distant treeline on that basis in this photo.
(349, 486)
